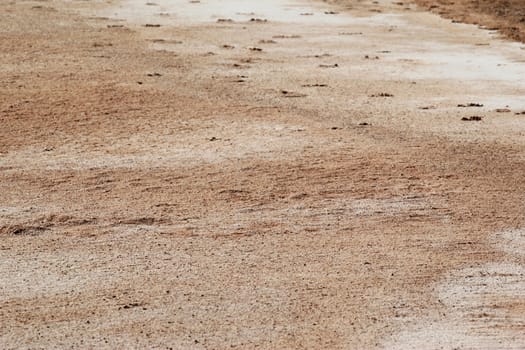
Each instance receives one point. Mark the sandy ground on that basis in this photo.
(176, 175)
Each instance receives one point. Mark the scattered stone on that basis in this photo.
(291, 94)
(164, 41)
(318, 55)
(329, 65)
(470, 105)
(102, 44)
(474, 118)
(315, 85)
(131, 305)
(382, 94)
(286, 36)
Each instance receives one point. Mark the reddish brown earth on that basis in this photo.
(506, 16)
(171, 187)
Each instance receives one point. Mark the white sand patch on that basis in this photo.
(484, 307)
(511, 241)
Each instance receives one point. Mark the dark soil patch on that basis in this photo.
(507, 16)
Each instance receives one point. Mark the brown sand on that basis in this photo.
(168, 187)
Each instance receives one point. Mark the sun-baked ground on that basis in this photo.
(294, 175)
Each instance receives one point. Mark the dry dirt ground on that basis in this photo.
(279, 174)
(508, 16)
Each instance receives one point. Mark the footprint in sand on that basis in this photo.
(292, 94)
